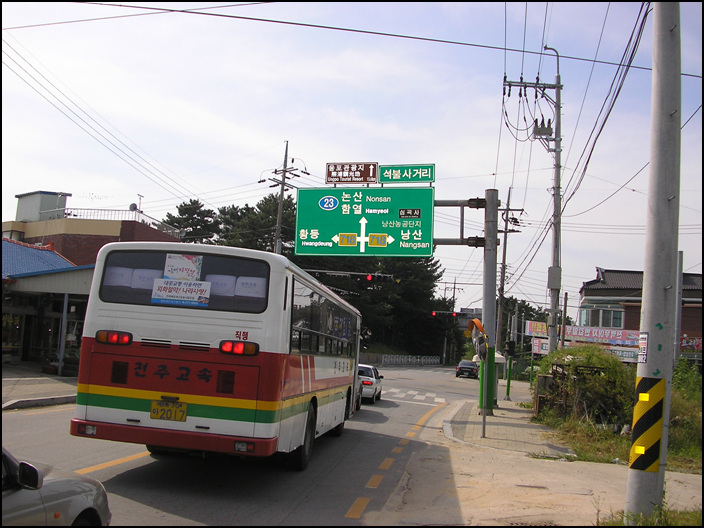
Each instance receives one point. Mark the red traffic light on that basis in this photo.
(454, 314)
(369, 276)
(434, 314)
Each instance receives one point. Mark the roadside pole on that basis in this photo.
(491, 221)
(508, 378)
(651, 413)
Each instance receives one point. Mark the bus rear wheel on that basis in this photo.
(301, 456)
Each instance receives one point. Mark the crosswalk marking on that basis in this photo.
(398, 394)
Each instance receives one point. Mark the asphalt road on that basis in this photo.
(348, 477)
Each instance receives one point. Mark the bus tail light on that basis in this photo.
(239, 348)
(244, 447)
(113, 337)
(88, 430)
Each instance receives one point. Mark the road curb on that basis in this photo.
(38, 402)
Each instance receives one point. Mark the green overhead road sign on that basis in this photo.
(386, 222)
(407, 173)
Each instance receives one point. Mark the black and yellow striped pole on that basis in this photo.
(646, 433)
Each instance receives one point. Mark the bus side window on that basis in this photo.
(296, 342)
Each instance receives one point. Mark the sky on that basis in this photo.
(123, 104)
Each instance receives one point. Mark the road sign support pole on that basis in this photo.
(651, 413)
(508, 378)
(491, 219)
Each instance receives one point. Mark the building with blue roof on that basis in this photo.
(19, 258)
(48, 257)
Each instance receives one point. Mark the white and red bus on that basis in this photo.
(214, 349)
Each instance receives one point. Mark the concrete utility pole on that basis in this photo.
(555, 271)
(279, 217)
(651, 413)
(544, 134)
(500, 312)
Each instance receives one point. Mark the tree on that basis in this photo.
(200, 225)
(255, 227)
(526, 312)
(395, 305)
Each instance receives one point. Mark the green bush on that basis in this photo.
(687, 380)
(685, 433)
(589, 383)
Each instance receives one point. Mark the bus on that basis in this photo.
(192, 347)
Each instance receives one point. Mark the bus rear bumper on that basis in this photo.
(234, 445)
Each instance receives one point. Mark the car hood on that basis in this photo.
(55, 478)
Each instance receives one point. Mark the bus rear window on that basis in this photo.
(187, 280)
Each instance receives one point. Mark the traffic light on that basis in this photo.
(435, 313)
(370, 277)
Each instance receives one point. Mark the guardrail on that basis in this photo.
(387, 359)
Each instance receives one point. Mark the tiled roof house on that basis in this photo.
(19, 259)
(614, 300)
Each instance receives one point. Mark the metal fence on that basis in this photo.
(387, 359)
(108, 214)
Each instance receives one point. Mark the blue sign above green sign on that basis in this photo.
(388, 222)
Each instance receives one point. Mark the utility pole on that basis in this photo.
(544, 134)
(555, 271)
(563, 327)
(651, 413)
(500, 311)
(279, 217)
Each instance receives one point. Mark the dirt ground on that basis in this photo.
(449, 483)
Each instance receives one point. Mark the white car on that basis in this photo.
(39, 495)
(371, 382)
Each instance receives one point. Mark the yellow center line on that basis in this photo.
(357, 509)
(374, 481)
(112, 463)
(359, 505)
(386, 464)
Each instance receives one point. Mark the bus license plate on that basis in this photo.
(168, 410)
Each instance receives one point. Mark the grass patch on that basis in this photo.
(661, 517)
(592, 443)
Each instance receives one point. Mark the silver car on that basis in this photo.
(371, 382)
(40, 495)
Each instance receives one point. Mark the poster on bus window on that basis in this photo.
(183, 267)
(181, 292)
(181, 284)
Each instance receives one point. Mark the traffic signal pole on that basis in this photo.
(490, 243)
(491, 221)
